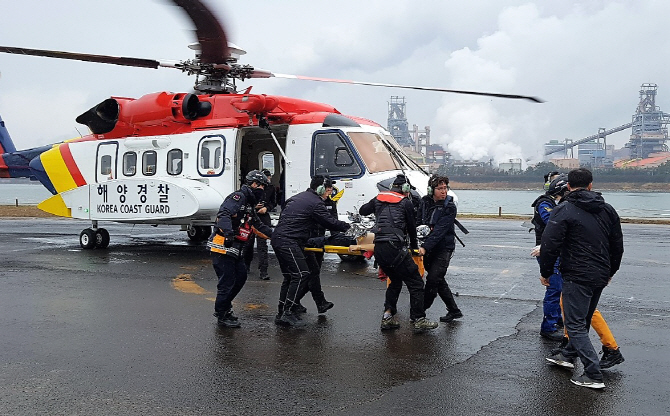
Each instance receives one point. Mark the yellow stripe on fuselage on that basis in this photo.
(55, 167)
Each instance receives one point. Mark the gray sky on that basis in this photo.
(587, 59)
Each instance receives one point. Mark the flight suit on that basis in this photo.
(299, 217)
(235, 219)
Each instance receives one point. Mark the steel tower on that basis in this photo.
(650, 131)
(397, 122)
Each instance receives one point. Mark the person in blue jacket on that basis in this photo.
(543, 206)
(439, 213)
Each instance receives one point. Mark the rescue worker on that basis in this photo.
(235, 222)
(300, 215)
(542, 208)
(439, 213)
(395, 221)
(315, 259)
(267, 202)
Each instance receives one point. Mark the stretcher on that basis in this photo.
(364, 245)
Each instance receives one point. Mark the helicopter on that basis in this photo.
(170, 158)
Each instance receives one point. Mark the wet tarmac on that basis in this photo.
(129, 330)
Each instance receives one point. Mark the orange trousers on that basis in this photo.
(599, 325)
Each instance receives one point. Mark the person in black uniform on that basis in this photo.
(300, 215)
(315, 259)
(395, 221)
(266, 203)
(235, 222)
(439, 213)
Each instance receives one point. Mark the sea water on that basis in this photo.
(627, 204)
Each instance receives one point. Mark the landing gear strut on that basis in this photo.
(94, 237)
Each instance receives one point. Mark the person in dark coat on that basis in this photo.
(395, 221)
(585, 232)
(236, 221)
(318, 239)
(439, 213)
(300, 215)
(267, 202)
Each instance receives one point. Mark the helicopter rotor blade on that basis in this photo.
(209, 31)
(103, 59)
(263, 74)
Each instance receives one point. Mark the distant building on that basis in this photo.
(554, 146)
(512, 165)
(566, 163)
(591, 154)
(653, 161)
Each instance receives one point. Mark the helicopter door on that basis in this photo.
(105, 167)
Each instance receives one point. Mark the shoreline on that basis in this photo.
(535, 186)
(31, 211)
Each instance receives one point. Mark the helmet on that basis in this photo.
(559, 186)
(256, 176)
(547, 179)
(548, 176)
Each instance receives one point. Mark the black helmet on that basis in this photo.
(256, 176)
(559, 186)
(549, 175)
(547, 179)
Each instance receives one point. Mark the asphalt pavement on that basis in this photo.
(129, 330)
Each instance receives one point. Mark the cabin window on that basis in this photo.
(106, 165)
(331, 155)
(149, 160)
(204, 158)
(267, 160)
(374, 152)
(210, 155)
(174, 161)
(129, 163)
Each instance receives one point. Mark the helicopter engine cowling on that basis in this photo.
(255, 103)
(152, 109)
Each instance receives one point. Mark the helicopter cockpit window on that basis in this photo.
(210, 155)
(129, 163)
(174, 161)
(374, 152)
(333, 156)
(106, 165)
(149, 160)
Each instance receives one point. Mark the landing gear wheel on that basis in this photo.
(205, 232)
(198, 233)
(101, 238)
(87, 239)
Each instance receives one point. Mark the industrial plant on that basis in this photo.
(646, 147)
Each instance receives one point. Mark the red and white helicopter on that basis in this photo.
(171, 158)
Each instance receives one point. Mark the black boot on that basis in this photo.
(289, 319)
(298, 308)
(323, 307)
(225, 320)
